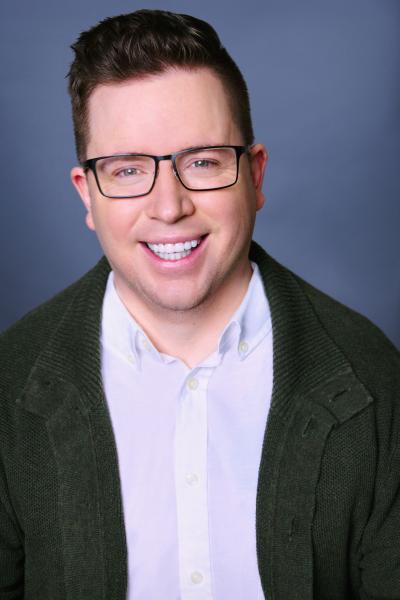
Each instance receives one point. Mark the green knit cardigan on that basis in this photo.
(328, 500)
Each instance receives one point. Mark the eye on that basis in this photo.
(128, 172)
(203, 163)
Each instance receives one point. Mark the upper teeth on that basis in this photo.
(172, 248)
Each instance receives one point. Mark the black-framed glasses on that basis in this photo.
(198, 169)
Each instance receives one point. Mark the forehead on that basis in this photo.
(161, 113)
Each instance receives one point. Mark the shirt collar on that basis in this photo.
(248, 326)
(120, 333)
(250, 323)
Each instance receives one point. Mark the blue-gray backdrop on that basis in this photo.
(325, 89)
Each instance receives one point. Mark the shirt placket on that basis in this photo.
(191, 487)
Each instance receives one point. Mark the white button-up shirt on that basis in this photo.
(189, 446)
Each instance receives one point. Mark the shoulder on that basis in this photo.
(22, 343)
(321, 323)
(363, 343)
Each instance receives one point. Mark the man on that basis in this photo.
(145, 452)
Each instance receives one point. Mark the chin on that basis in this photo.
(176, 304)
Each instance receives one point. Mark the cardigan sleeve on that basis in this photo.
(380, 562)
(380, 565)
(11, 551)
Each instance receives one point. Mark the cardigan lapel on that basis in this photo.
(314, 391)
(65, 389)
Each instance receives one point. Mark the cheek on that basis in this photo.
(114, 220)
(238, 220)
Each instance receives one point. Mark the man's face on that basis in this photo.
(158, 115)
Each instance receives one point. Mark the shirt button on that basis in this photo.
(193, 384)
(145, 344)
(191, 478)
(196, 577)
(243, 347)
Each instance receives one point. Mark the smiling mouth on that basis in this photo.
(175, 251)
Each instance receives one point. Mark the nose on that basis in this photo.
(169, 201)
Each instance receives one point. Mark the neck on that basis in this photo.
(189, 335)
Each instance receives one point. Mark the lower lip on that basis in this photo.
(182, 263)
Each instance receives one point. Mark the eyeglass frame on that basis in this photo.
(90, 164)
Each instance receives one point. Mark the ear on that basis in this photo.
(80, 182)
(258, 162)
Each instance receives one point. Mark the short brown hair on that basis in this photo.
(148, 42)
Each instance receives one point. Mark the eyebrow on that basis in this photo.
(200, 146)
(204, 145)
